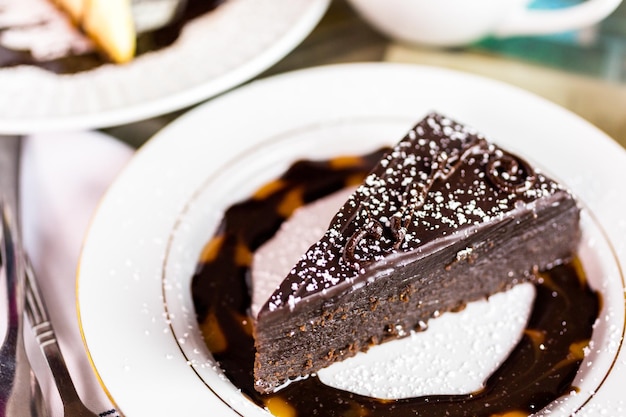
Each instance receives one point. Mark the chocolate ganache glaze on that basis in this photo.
(81, 56)
(539, 370)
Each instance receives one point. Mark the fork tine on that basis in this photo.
(36, 309)
(34, 302)
(46, 338)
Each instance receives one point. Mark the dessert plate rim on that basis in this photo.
(132, 271)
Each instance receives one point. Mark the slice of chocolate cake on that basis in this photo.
(444, 218)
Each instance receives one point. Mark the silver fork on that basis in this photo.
(37, 314)
(30, 401)
(19, 389)
(16, 377)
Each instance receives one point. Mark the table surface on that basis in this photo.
(583, 71)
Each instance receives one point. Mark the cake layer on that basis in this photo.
(444, 219)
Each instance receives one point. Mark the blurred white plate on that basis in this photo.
(217, 51)
(134, 298)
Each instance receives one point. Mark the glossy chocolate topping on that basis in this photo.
(442, 182)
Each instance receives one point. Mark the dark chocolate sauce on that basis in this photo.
(146, 42)
(540, 369)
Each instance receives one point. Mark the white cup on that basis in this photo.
(447, 23)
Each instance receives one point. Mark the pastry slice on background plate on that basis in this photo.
(109, 23)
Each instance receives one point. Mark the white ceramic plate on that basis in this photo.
(217, 51)
(133, 285)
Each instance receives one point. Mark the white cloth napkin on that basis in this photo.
(64, 175)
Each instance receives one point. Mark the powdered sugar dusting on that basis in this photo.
(273, 261)
(455, 356)
(440, 181)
